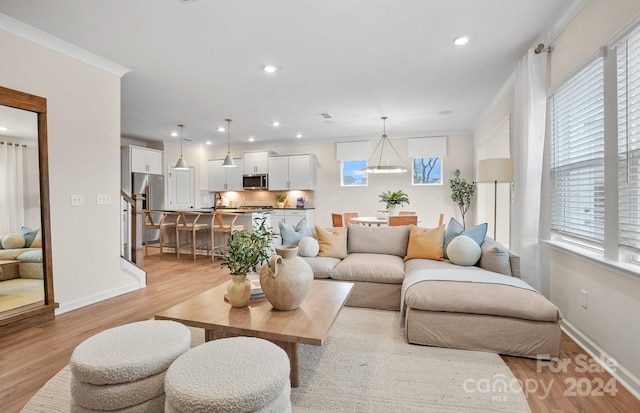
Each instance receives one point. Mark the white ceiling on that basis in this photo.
(201, 62)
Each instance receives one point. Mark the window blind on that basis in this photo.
(577, 154)
(628, 88)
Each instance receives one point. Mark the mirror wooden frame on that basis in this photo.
(30, 315)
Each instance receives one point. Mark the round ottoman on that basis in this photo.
(123, 369)
(240, 374)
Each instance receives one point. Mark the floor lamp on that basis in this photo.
(495, 170)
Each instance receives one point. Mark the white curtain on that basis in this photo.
(530, 93)
(11, 188)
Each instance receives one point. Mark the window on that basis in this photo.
(351, 174)
(577, 154)
(426, 171)
(628, 87)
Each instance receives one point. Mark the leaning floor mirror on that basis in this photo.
(26, 277)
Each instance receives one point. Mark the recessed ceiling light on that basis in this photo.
(276, 123)
(174, 134)
(462, 40)
(299, 135)
(208, 142)
(270, 68)
(251, 139)
(221, 129)
(3, 128)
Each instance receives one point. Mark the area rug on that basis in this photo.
(20, 291)
(366, 365)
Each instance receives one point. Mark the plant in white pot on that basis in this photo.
(245, 251)
(462, 193)
(280, 199)
(394, 201)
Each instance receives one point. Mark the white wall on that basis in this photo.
(83, 105)
(610, 321)
(428, 201)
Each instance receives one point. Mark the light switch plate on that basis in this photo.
(103, 199)
(77, 200)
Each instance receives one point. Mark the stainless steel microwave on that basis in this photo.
(257, 181)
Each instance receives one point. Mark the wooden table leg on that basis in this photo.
(292, 351)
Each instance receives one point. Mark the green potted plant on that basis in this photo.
(461, 193)
(280, 199)
(245, 251)
(394, 200)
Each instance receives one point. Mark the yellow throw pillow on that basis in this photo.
(37, 241)
(425, 243)
(333, 244)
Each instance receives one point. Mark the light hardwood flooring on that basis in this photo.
(31, 357)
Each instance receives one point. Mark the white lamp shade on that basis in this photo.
(181, 163)
(228, 162)
(495, 170)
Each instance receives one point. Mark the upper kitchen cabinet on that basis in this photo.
(293, 172)
(145, 160)
(256, 162)
(225, 179)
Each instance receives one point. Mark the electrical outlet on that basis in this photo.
(77, 200)
(583, 298)
(103, 199)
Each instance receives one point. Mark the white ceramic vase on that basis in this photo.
(394, 210)
(287, 279)
(239, 291)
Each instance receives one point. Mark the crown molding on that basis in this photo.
(20, 29)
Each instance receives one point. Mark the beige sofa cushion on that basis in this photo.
(495, 257)
(378, 268)
(479, 298)
(378, 240)
(322, 266)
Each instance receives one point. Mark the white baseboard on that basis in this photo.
(622, 375)
(83, 302)
(135, 271)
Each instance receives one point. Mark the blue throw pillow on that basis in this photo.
(292, 236)
(29, 235)
(454, 229)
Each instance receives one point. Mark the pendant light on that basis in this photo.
(228, 160)
(181, 163)
(380, 168)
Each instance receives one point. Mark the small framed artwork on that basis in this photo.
(426, 171)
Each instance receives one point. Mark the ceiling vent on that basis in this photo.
(187, 1)
(326, 115)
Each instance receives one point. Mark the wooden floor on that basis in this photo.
(31, 357)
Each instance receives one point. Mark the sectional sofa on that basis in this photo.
(484, 307)
(12, 248)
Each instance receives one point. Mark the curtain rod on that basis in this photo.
(541, 48)
(11, 143)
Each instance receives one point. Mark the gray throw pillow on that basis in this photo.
(495, 257)
(292, 236)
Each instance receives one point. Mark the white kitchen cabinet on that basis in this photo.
(291, 217)
(293, 172)
(225, 179)
(256, 162)
(145, 160)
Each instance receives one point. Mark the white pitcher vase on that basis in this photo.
(287, 279)
(238, 291)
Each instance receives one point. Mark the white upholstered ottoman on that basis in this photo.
(123, 369)
(240, 374)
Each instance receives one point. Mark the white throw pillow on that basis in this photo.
(308, 247)
(463, 250)
(13, 241)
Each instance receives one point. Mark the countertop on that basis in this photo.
(245, 210)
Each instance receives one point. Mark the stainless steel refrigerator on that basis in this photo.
(152, 187)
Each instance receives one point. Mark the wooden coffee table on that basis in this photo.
(309, 324)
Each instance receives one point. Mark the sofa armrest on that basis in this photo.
(514, 260)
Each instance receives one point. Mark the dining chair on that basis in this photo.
(222, 223)
(347, 217)
(407, 213)
(155, 220)
(192, 226)
(336, 220)
(397, 220)
(441, 220)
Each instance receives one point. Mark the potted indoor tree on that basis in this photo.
(461, 193)
(394, 200)
(245, 251)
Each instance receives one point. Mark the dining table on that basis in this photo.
(370, 221)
